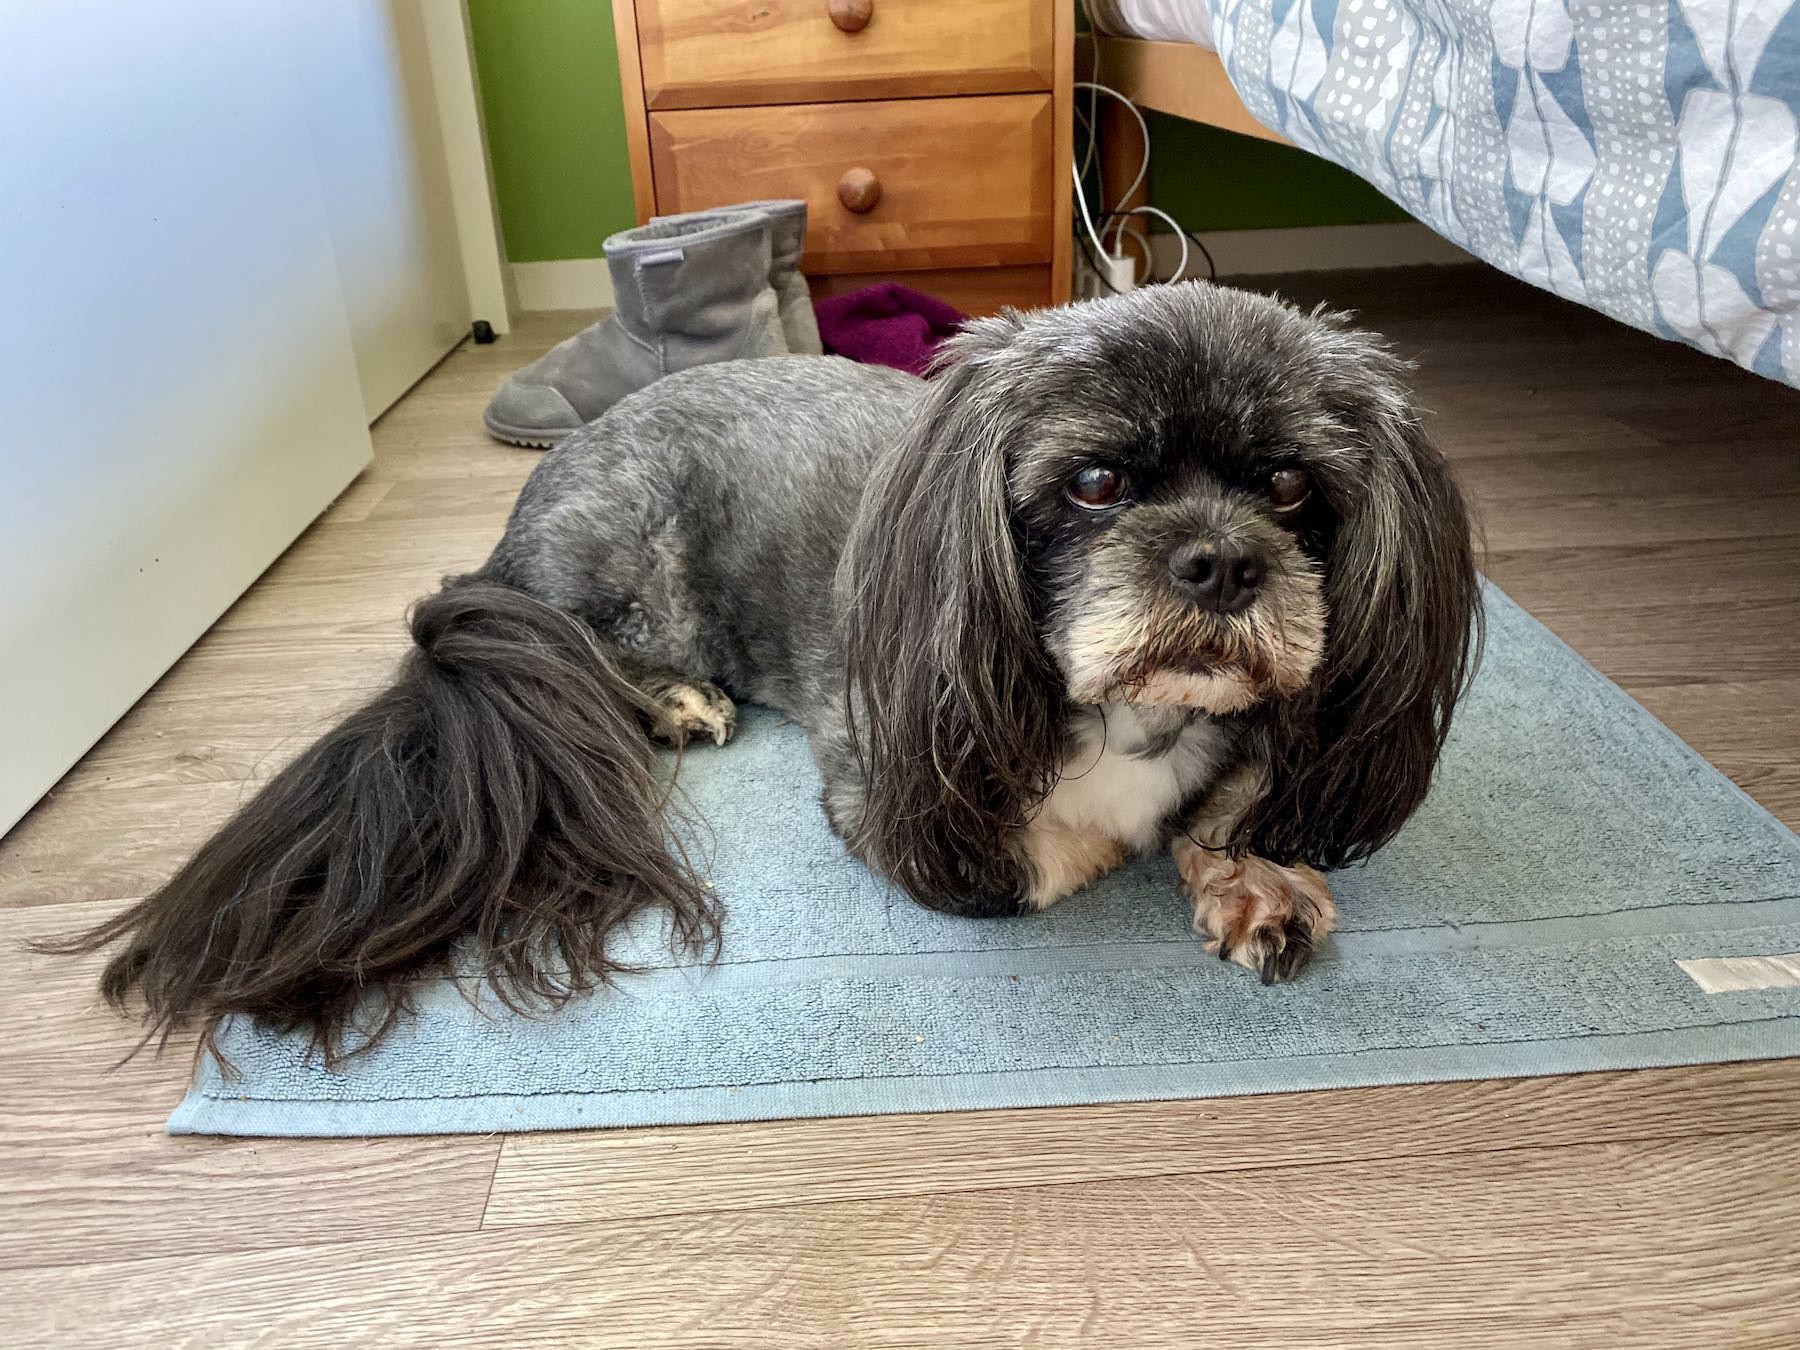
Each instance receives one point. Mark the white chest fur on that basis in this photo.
(1128, 769)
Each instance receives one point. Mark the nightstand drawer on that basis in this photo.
(974, 290)
(720, 53)
(913, 183)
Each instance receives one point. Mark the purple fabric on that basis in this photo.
(886, 325)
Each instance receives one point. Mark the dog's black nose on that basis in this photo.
(1219, 577)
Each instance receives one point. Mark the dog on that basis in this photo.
(1177, 569)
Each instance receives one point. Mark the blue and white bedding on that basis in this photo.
(1638, 157)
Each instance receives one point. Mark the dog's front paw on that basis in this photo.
(698, 709)
(1266, 917)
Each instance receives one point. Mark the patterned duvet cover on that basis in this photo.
(1636, 157)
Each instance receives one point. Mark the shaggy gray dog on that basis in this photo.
(1176, 569)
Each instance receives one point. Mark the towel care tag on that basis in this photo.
(667, 255)
(1733, 974)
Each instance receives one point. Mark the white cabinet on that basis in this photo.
(179, 369)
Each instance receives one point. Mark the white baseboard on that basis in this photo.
(569, 283)
(1317, 248)
(585, 283)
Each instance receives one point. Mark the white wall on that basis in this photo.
(452, 59)
(178, 390)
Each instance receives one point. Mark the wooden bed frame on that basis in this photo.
(1180, 79)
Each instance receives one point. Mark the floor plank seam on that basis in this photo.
(487, 1196)
(1670, 1136)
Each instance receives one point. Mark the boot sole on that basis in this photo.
(526, 438)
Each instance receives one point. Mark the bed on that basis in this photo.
(1637, 157)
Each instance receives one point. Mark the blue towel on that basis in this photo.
(1528, 920)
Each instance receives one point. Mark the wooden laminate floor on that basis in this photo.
(1641, 499)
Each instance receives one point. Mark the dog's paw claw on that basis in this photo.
(1265, 917)
(691, 710)
(1299, 948)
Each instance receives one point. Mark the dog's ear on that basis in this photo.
(953, 706)
(1353, 758)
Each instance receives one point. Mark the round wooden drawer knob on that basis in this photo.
(859, 189)
(852, 16)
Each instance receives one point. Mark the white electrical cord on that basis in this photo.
(1093, 112)
(1143, 126)
(1117, 222)
(1117, 228)
(1082, 210)
(1181, 234)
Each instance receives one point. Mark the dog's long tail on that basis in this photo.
(502, 789)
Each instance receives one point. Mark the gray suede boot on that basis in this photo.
(787, 241)
(686, 291)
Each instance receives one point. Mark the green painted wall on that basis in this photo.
(549, 78)
(1210, 179)
(549, 74)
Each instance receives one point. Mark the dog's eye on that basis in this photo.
(1289, 489)
(1096, 487)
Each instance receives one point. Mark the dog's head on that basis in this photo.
(1183, 496)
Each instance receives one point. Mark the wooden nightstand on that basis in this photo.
(930, 138)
